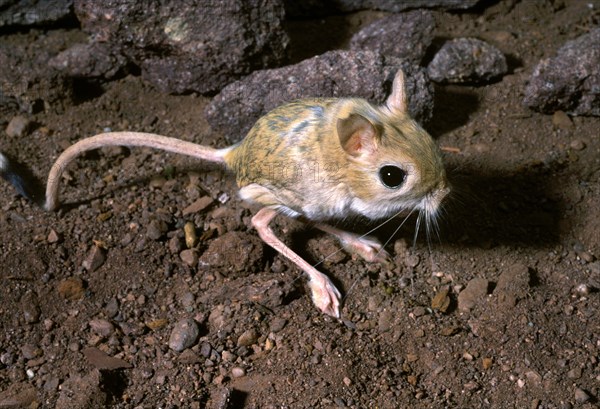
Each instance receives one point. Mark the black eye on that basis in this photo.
(392, 176)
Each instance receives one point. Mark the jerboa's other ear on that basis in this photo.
(358, 136)
(397, 102)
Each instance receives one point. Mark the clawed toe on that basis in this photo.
(325, 296)
(369, 249)
(382, 257)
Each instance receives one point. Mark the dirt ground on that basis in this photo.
(520, 241)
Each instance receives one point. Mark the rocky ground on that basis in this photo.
(149, 288)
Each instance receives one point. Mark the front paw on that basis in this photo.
(369, 249)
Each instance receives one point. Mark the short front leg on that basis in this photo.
(368, 248)
(324, 294)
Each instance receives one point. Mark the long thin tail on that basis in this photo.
(123, 139)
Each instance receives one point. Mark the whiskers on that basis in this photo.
(428, 214)
(371, 231)
(382, 246)
(431, 215)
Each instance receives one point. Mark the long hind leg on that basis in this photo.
(324, 294)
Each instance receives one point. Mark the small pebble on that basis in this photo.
(175, 245)
(101, 360)
(577, 145)
(7, 358)
(340, 402)
(277, 324)
(574, 373)
(449, 331)
(473, 294)
(188, 357)
(237, 372)
(400, 247)
(248, 337)
(228, 356)
(156, 229)
(18, 126)
(191, 239)
(562, 120)
(582, 290)
(586, 256)
(94, 259)
(184, 335)
(513, 284)
(112, 308)
(51, 385)
(48, 324)
(102, 327)
(147, 373)
(384, 323)
(127, 239)
(187, 300)
(581, 396)
(500, 36)
(205, 349)
(157, 182)
(30, 351)
(413, 260)
(53, 237)
(223, 198)
(418, 311)
(269, 344)
(441, 301)
(198, 205)
(30, 308)
(487, 363)
(149, 120)
(160, 378)
(189, 257)
(533, 377)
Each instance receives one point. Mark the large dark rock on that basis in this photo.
(91, 60)
(311, 8)
(34, 12)
(570, 81)
(361, 74)
(193, 45)
(467, 60)
(405, 35)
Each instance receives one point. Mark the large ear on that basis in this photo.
(397, 102)
(358, 136)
